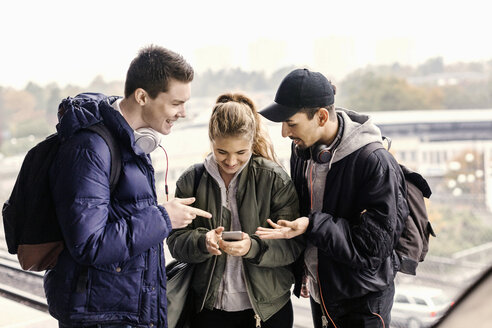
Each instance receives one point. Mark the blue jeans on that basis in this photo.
(109, 325)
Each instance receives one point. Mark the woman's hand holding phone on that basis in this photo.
(212, 239)
(236, 248)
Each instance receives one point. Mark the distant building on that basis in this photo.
(454, 145)
(452, 149)
(448, 78)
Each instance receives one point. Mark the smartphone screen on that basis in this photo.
(232, 235)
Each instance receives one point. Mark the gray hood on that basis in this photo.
(358, 131)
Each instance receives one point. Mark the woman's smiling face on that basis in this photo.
(231, 153)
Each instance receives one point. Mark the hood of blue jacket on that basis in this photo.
(87, 109)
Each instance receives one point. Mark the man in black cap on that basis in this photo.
(353, 205)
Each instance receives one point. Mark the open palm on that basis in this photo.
(283, 229)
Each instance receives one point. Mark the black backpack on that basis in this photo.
(29, 219)
(413, 244)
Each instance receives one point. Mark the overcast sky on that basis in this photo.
(67, 41)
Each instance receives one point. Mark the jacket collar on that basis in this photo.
(87, 109)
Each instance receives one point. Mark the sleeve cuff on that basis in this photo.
(310, 225)
(167, 219)
(254, 249)
(202, 244)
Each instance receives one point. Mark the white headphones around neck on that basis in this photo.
(147, 139)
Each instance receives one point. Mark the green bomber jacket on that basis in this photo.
(264, 191)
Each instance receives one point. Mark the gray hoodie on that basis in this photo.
(232, 294)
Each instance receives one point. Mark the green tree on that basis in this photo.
(368, 91)
(431, 66)
(278, 75)
(54, 97)
(39, 95)
(457, 230)
(468, 95)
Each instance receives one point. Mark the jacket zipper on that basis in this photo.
(227, 198)
(208, 285)
(256, 316)
(324, 321)
(213, 269)
(160, 251)
(258, 321)
(158, 289)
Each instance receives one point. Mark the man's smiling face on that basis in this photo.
(161, 112)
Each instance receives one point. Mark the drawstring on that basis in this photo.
(311, 165)
(311, 182)
(332, 158)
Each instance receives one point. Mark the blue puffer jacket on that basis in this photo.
(112, 269)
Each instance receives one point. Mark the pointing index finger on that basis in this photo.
(200, 212)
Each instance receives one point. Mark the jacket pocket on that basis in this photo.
(115, 287)
(270, 283)
(136, 263)
(117, 291)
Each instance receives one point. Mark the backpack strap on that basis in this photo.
(115, 151)
(199, 168)
(114, 176)
(410, 176)
(370, 147)
(368, 150)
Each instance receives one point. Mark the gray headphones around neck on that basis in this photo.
(147, 139)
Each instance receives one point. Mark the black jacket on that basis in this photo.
(364, 207)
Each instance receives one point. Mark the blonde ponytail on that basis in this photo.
(234, 114)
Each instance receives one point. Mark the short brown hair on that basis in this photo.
(153, 68)
(310, 112)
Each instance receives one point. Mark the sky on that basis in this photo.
(72, 42)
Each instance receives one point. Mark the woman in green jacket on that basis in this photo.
(244, 283)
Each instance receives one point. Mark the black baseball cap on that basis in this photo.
(301, 88)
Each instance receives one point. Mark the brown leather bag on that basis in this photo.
(39, 257)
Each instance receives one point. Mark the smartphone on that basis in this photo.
(232, 235)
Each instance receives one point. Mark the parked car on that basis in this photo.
(417, 306)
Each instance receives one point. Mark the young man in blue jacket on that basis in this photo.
(353, 207)
(111, 272)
